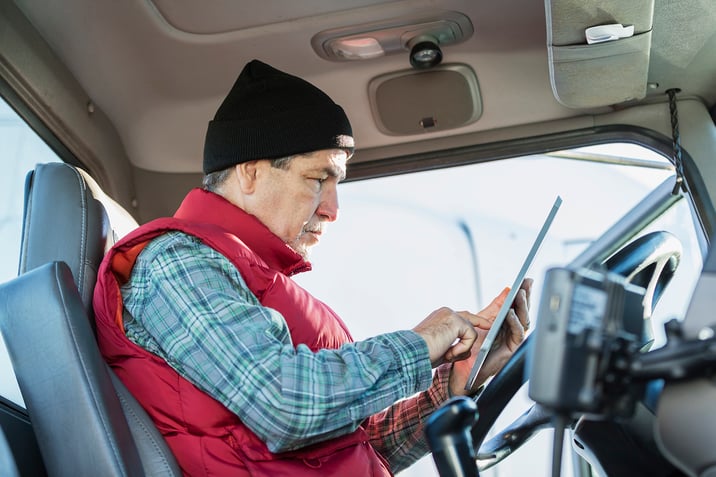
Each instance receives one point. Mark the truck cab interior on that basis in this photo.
(469, 118)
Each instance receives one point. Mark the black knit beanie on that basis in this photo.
(270, 114)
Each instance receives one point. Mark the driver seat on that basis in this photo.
(85, 420)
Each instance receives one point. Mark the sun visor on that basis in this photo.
(598, 50)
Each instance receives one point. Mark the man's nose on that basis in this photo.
(328, 207)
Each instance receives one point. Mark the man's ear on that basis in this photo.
(246, 172)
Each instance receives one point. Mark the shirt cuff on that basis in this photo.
(412, 359)
(439, 391)
(441, 384)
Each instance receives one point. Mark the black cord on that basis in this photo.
(676, 141)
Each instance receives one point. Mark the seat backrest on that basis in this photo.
(77, 417)
(86, 421)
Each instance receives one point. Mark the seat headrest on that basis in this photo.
(65, 220)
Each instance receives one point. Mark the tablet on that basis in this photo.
(497, 324)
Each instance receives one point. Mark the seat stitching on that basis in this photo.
(83, 232)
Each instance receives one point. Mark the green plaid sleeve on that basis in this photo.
(188, 304)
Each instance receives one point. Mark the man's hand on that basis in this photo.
(450, 335)
(512, 334)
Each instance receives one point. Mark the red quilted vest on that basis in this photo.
(206, 438)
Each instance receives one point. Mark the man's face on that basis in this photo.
(297, 202)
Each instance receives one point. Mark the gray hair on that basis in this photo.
(213, 181)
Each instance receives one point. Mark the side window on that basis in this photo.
(22, 149)
(408, 244)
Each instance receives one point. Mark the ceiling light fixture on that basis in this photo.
(422, 35)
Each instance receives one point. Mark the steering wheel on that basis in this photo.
(650, 262)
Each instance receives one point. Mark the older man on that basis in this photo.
(243, 371)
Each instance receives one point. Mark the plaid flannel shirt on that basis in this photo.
(189, 305)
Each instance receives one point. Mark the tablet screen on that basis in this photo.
(497, 324)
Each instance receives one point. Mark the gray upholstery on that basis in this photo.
(86, 421)
(68, 218)
(77, 416)
(63, 222)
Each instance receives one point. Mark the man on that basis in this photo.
(244, 372)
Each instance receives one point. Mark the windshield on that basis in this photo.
(408, 244)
